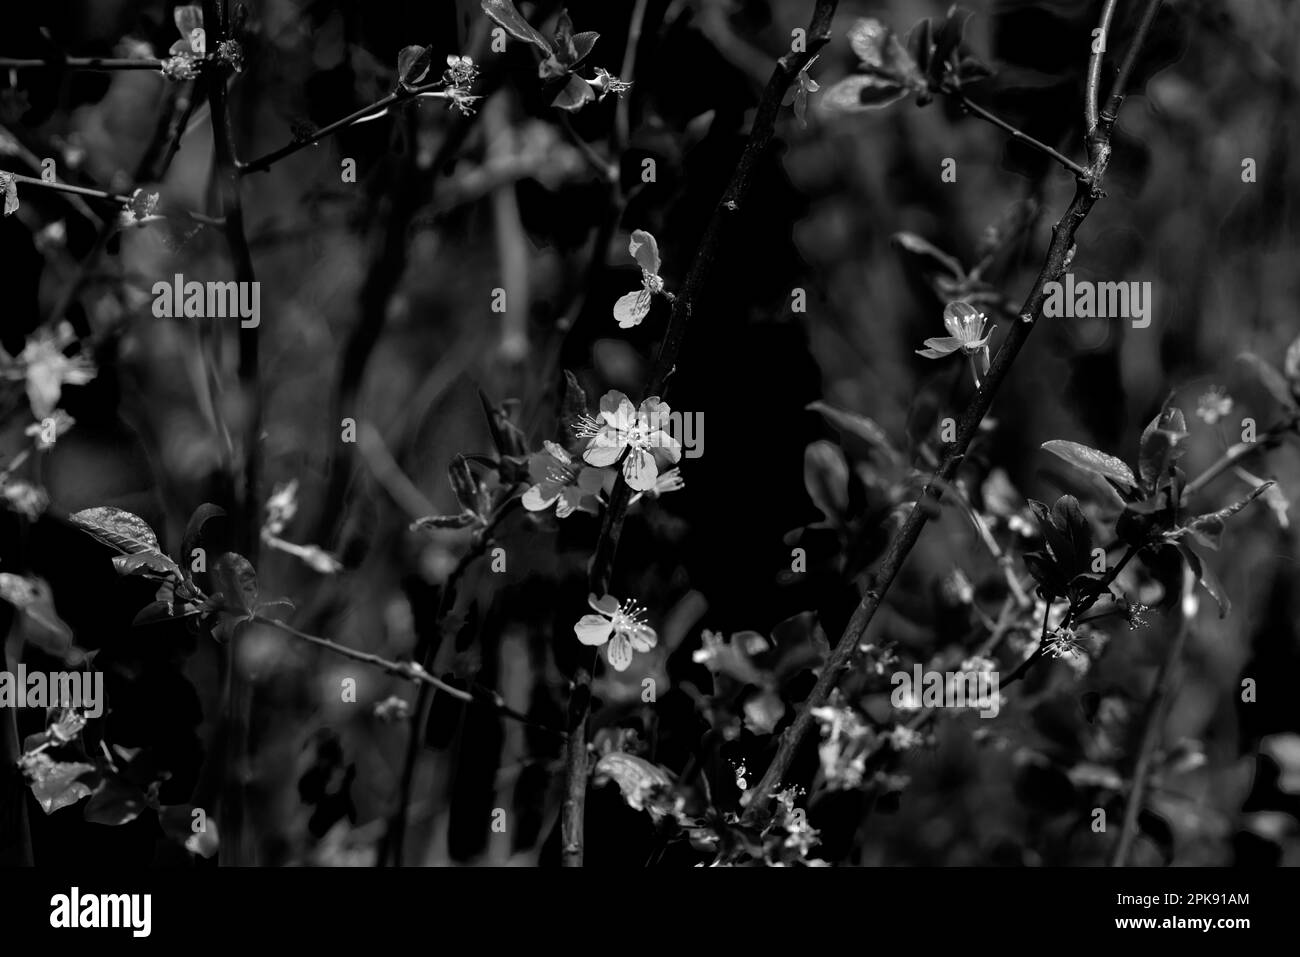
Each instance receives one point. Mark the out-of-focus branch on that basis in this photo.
(1152, 719)
(104, 64)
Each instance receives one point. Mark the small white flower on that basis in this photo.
(966, 323)
(1213, 405)
(619, 626)
(642, 431)
(631, 309)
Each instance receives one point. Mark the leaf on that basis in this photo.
(1073, 525)
(55, 784)
(582, 45)
(1090, 460)
(235, 580)
(917, 246)
(463, 483)
(1208, 528)
(855, 94)
(10, 188)
(463, 520)
(574, 404)
(1205, 575)
(413, 65)
(144, 562)
(1269, 377)
(948, 41)
(920, 44)
(504, 13)
(1161, 446)
(826, 476)
(576, 94)
(859, 425)
(637, 779)
(506, 437)
(115, 803)
(116, 528)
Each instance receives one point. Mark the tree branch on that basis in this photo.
(1059, 252)
(974, 108)
(602, 564)
(1090, 116)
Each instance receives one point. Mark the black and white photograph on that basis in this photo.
(644, 435)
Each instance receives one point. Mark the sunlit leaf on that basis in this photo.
(117, 528)
(1091, 460)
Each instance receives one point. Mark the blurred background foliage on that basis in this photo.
(376, 302)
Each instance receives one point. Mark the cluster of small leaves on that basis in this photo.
(931, 61)
(413, 66)
(561, 57)
(1153, 513)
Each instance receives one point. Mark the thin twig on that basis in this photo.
(80, 63)
(400, 95)
(1090, 115)
(1152, 722)
(970, 106)
(1087, 192)
(701, 270)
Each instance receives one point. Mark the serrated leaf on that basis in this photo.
(858, 93)
(144, 562)
(413, 65)
(116, 528)
(576, 94)
(1091, 460)
(504, 13)
(582, 44)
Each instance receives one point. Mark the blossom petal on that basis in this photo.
(593, 629)
(591, 480)
(631, 310)
(605, 448)
(607, 605)
(643, 637)
(963, 320)
(938, 348)
(617, 410)
(640, 470)
(536, 499)
(619, 652)
(557, 452)
(664, 442)
(645, 251)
